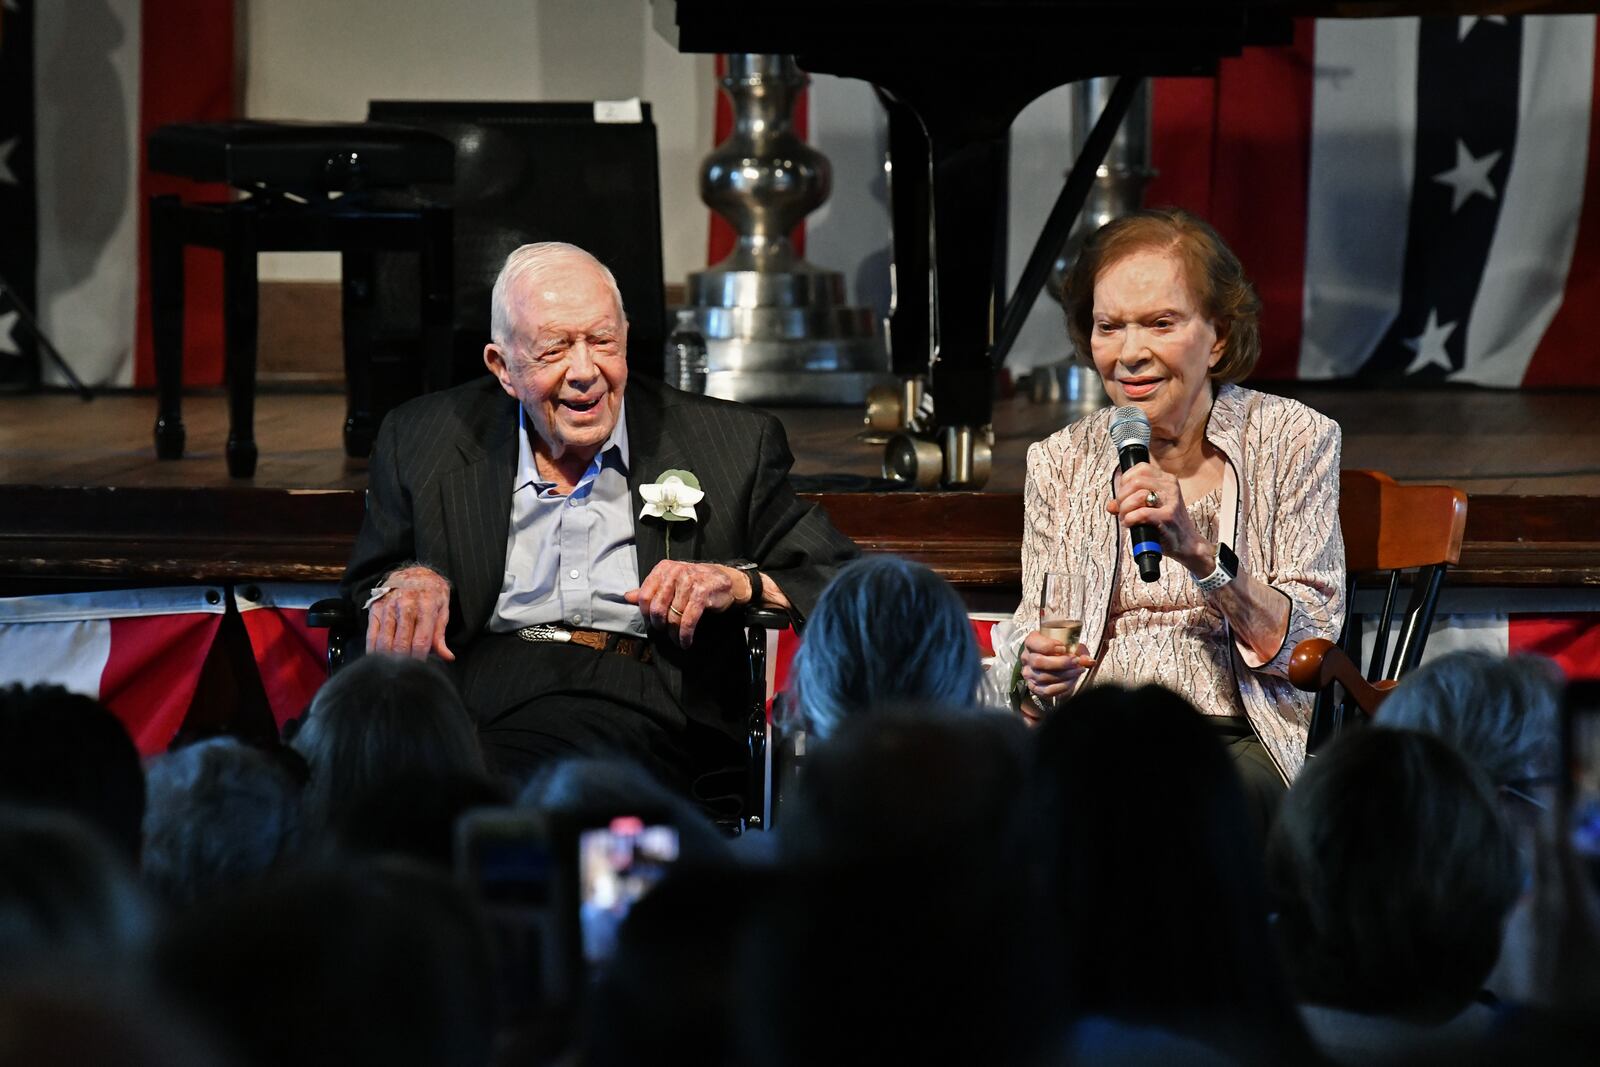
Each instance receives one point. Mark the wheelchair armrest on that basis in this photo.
(345, 626)
(767, 618)
(330, 614)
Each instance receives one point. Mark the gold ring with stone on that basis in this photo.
(1152, 499)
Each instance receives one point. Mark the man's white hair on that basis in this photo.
(530, 259)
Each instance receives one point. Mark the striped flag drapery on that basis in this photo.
(82, 84)
(138, 652)
(1417, 199)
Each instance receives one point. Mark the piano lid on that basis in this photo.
(832, 27)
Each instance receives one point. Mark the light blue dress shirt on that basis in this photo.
(570, 558)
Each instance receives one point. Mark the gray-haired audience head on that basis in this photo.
(885, 631)
(380, 718)
(1502, 713)
(219, 812)
(1393, 872)
(66, 897)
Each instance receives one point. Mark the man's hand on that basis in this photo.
(675, 595)
(410, 619)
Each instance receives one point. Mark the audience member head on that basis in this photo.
(414, 815)
(378, 962)
(1215, 276)
(379, 718)
(1152, 867)
(909, 786)
(64, 750)
(82, 1021)
(885, 630)
(1502, 713)
(67, 899)
(587, 786)
(220, 812)
(667, 995)
(1393, 872)
(897, 932)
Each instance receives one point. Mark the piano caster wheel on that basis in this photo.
(913, 460)
(358, 436)
(885, 409)
(968, 455)
(169, 438)
(241, 458)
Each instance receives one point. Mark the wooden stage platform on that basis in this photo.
(84, 502)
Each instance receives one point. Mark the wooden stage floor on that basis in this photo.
(1501, 443)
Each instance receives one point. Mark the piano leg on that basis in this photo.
(969, 198)
(911, 311)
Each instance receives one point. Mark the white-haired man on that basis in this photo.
(507, 532)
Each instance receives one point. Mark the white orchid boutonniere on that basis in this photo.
(671, 498)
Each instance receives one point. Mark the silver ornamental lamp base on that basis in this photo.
(777, 329)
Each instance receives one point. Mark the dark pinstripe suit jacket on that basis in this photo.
(440, 493)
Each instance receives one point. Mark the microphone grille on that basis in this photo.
(1129, 427)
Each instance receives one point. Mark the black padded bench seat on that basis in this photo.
(309, 188)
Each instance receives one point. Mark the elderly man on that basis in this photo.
(528, 529)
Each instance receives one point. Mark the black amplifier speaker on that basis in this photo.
(532, 172)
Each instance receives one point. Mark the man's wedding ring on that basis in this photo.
(673, 610)
(1152, 499)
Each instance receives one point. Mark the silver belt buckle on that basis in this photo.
(544, 632)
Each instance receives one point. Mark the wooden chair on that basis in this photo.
(1388, 529)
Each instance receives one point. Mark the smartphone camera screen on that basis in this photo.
(1583, 765)
(617, 865)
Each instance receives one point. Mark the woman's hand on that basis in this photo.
(1050, 669)
(1180, 541)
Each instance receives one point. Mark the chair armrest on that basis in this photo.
(332, 613)
(346, 628)
(767, 618)
(1317, 663)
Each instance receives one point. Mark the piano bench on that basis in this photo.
(309, 187)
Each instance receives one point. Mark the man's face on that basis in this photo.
(567, 359)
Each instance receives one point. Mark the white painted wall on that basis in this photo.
(315, 59)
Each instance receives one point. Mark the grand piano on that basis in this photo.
(953, 75)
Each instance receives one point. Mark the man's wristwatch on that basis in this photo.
(1226, 570)
(752, 571)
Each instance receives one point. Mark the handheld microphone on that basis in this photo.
(1130, 432)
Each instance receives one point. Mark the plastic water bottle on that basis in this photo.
(686, 354)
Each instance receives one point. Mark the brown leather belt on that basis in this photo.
(600, 640)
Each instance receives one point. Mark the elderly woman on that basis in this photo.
(1242, 489)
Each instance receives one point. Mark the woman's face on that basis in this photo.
(1151, 344)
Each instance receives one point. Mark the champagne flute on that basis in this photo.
(1061, 614)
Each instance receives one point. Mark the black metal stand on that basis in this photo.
(25, 316)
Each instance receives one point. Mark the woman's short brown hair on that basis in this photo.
(1215, 276)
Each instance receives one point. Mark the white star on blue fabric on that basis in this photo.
(6, 177)
(8, 343)
(1469, 21)
(1429, 344)
(1469, 177)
